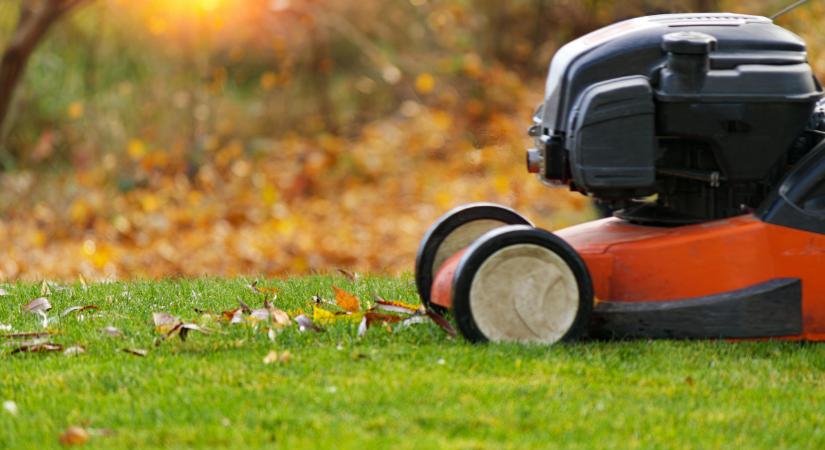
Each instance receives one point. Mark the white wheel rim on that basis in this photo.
(524, 293)
(460, 238)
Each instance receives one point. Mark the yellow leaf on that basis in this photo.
(136, 148)
(76, 109)
(322, 316)
(346, 300)
(268, 81)
(424, 83)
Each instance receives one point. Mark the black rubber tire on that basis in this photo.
(443, 227)
(500, 238)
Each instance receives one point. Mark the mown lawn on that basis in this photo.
(412, 388)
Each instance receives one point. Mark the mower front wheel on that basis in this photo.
(453, 232)
(519, 283)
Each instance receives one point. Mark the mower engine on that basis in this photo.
(705, 133)
(706, 111)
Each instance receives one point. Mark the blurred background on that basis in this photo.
(266, 137)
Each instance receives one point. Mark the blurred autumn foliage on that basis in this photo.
(190, 137)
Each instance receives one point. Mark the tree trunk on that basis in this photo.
(36, 17)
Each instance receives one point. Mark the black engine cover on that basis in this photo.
(701, 109)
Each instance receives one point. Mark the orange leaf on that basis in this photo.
(346, 300)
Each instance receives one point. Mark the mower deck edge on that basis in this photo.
(769, 309)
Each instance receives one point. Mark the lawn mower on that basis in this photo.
(704, 134)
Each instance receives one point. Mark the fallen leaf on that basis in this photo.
(273, 356)
(305, 323)
(346, 300)
(10, 407)
(277, 315)
(74, 350)
(112, 331)
(416, 319)
(164, 322)
(74, 436)
(37, 347)
(244, 307)
(393, 306)
(441, 322)
(77, 309)
(263, 290)
(352, 276)
(280, 317)
(27, 335)
(82, 281)
(233, 315)
(135, 351)
(371, 318)
(259, 315)
(321, 315)
(44, 288)
(183, 329)
(38, 305)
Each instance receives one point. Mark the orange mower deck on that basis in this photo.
(730, 278)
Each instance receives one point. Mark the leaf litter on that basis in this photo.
(346, 307)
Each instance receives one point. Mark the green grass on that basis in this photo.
(414, 388)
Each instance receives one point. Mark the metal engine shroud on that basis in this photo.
(706, 111)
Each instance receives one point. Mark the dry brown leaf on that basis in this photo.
(183, 329)
(305, 323)
(112, 331)
(74, 350)
(37, 346)
(416, 319)
(27, 335)
(259, 315)
(346, 300)
(372, 318)
(164, 322)
(44, 288)
(244, 307)
(38, 305)
(263, 290)
(233, 315)
(352, 276)
(441, 322)
(394, 306)
(278, 316)
(273, 356)
(135, 351)
(74, 436)
(77, 309)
